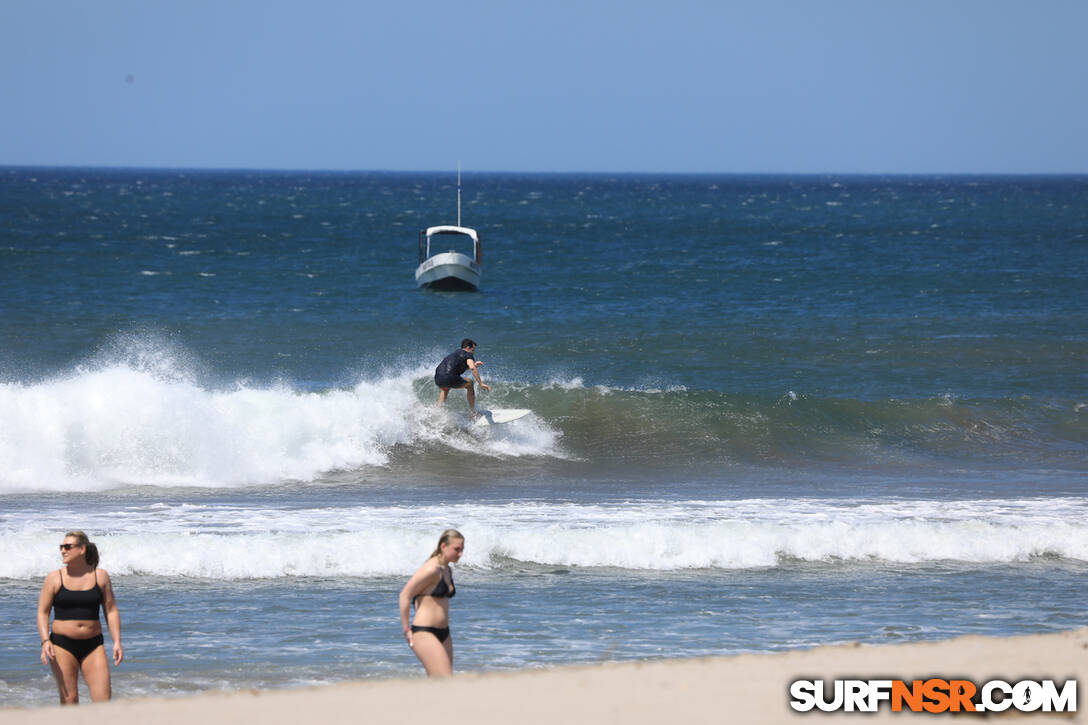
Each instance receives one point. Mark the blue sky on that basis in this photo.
(852, 86)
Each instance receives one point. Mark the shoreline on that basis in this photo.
(746, 688)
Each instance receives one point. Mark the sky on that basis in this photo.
(665, 86)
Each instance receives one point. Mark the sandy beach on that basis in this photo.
(751, 688)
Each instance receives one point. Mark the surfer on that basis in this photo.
(431, 589)
(75, 593)
(447, 376)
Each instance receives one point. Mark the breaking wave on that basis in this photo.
(242, 542)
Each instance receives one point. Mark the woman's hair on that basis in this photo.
(447, 536)
(91, 551)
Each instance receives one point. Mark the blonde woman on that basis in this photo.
(75, 593)
(431, 589)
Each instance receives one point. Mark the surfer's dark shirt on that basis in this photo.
(452, 366)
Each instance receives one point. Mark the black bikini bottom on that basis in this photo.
(79, 648)
(443, 633)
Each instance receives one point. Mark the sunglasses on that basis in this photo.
(68, 547)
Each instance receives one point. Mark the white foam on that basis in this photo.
(238, 542)
(147, 421)
(577, 384)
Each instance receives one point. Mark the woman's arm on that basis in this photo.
(113, 617)
(45, 603)
(421, 581)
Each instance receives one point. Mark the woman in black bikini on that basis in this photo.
(75, 592)
(430, 589)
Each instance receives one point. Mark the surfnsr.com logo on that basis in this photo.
(933, 695)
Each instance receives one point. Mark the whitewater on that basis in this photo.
(118, 425)
(226, 541)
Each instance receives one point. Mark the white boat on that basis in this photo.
(449, 269)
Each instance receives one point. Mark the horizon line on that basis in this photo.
(512, 172)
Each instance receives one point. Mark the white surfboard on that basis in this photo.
(499, 415)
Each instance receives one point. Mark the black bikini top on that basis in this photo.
(442, 589)
(77, 603)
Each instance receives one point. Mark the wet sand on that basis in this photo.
(751, 688)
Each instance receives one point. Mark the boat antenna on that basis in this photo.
(458, 193)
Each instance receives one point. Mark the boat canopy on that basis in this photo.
(450, 229)
(426, 234)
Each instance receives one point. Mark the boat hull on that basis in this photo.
(449, 270)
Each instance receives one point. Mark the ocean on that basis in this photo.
(769, 412)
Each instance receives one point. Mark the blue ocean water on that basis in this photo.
(769, 413)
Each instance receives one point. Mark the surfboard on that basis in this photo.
(499, 416)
